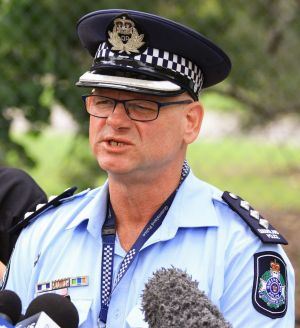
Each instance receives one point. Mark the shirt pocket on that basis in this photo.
(83, 307)
(135, 318)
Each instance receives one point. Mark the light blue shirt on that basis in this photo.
(200, 234)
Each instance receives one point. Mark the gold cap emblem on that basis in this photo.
(124, 36)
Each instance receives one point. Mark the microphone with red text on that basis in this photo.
(50, 310)
(172, 299)
(10, 308)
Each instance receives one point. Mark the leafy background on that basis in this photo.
(41, 59)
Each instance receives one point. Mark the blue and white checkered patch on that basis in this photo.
(159, 58)
(125, 264)
(107, 274)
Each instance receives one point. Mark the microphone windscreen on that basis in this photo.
(10, 305)
(60, 309)
(172, 299)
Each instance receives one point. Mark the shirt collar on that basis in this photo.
(93, 211)
(193, 207)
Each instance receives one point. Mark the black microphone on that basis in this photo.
(60, 309)
(172, 299)
(10, 307)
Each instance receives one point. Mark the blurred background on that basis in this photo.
(250, 142)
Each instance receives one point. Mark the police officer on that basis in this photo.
(101, 246)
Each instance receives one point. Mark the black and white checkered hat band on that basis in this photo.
(161, 59)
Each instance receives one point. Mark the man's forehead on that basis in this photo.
(125, 94)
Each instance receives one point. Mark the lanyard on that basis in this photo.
(109, 236)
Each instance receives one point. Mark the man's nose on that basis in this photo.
(118, 117)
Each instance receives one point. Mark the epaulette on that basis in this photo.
(53, 201)
(260, 226)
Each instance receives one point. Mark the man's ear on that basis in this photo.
(194, 116)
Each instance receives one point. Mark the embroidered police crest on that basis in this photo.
(269, 295)
(124, 36)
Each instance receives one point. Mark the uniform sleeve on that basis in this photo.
(19, 273)
(259, 284)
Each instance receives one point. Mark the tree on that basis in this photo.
(262, 40)
(41, 57)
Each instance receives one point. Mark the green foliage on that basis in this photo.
(266, 175)
(62, 161)
(41, 57)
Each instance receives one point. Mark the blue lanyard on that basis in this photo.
(108, 248)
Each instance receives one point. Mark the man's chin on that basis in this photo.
(116, 167)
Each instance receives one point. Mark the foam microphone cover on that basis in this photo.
(172, 299)
(10, 306)
(60, 309)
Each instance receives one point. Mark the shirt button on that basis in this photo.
(117, 313)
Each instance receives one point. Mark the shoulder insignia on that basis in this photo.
(260, 226)
(53, 201)
(269, 294)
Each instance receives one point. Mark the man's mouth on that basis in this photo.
(115, 143)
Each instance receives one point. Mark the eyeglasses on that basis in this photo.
(137, 109)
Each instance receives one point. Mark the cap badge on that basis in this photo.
(124, 36)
